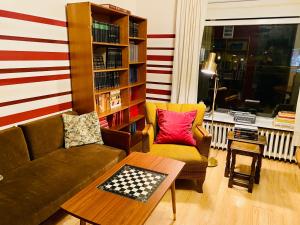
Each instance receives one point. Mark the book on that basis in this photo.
(284, 120)
(102, 103)
(116, 119)
(103, 122)
(283, 125)
(105, 32)
(113, 58)
(115, 99)
(104, 80)
(109, 6)
(98, 61)
(133, 52)
(133, 29)
(132, 128)
(286, 114)
(133, 111)
(133, 74)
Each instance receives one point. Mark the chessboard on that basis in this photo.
(133, 182)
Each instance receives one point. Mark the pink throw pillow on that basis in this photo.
(175, 127)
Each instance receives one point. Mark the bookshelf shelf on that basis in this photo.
(136, 84)
(136, 118)
(112, 111)
(121, 126)
(101, 37)
(110, 44)
(137, 39)
(136, 102)
(136, 63)
(106, 90)
(110, 70)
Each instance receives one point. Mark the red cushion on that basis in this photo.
(175, 127)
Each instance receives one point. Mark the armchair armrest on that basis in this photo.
(117, 139)
(148, 137)
(203, 140)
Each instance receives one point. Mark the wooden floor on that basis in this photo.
(275, 201)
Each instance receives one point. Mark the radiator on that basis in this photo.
(279, 143)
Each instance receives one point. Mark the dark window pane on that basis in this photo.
(258, 68)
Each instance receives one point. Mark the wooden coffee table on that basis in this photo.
(96, 205)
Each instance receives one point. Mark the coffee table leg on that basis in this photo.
(173, 200)
(82, 222)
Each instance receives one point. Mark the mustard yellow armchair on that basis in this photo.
(195, 157)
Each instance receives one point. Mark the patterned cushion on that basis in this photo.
(81, 130)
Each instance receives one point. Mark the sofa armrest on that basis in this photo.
(203, 140)
(148, 137)
(117, 139)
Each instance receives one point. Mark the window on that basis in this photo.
(258, 67)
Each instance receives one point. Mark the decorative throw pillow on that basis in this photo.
(175, 127)
(81, 130)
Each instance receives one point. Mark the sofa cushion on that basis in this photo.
(44, 135)
(30, 194)
(188, 154)
(13, 149)
(81, 130)
(151, 115)
(175, 127)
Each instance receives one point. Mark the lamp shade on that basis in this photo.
(209, 66)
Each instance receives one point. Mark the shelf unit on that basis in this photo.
(83, 46)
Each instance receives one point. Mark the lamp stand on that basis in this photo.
(212, 161)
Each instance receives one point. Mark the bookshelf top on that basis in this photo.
(106, 11)
(137, 18)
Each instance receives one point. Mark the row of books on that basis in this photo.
(108, 101)
(103, 122)
(132, 128)
(133, 52)
(285, 119)
(105, 32)
(106, 80)
(133, 29)
(117, 119)
(107, 58)
(133, 111)
(114, 58)
(246, 132)
(133, 74)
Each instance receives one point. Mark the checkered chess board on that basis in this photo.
(133, 182)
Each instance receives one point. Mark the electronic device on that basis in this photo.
(246, 132)
(244, 117)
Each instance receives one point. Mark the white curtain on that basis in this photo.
(296, 137)
(190, 18)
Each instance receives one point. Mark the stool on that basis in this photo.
(247, 149)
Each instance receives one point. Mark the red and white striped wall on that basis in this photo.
(160, 52)
(34, 67)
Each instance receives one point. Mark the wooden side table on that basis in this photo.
(261, 142)
(246, 149)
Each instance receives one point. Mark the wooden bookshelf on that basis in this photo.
(83, 48)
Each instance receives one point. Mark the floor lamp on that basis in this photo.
(210, 68)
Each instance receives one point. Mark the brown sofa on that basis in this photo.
(40, 174)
